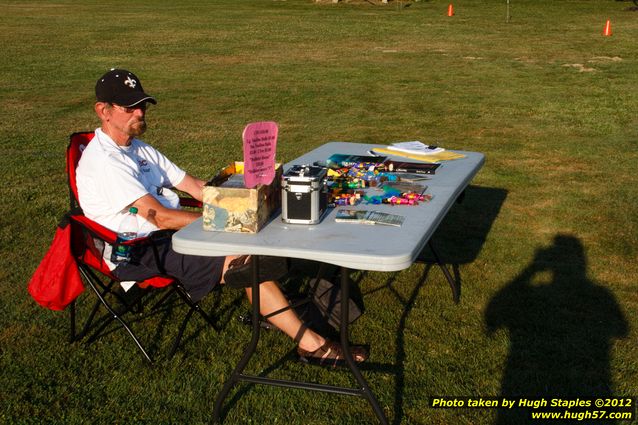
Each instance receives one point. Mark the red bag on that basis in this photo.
(56, 282)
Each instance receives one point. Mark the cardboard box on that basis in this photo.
(230, 207)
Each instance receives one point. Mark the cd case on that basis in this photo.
(368, 217)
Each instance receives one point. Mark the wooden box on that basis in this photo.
(230, 207)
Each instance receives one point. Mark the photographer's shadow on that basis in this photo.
(561, 327)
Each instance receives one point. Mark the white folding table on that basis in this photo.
(349, 246)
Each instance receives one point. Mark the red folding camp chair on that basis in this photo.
(87, 244)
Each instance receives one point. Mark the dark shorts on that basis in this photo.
(198, 275)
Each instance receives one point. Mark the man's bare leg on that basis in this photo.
(272, 299)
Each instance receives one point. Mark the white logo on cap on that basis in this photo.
(130, 82)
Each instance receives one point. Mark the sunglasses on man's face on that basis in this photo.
(130, 109)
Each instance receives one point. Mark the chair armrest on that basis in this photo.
(98, 235)
(189, 202)
(96, 230)
(100, 232)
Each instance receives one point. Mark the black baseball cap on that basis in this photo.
(121, 87)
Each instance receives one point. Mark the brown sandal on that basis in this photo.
(330, 354)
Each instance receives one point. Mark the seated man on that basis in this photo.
(118, 171)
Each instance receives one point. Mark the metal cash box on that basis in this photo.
(304, 194)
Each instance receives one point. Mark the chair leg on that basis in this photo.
(96, 326)
(193, 307)
(182, 328)
(72, 317)
(94, 283)
(162, 300)
(114, 316)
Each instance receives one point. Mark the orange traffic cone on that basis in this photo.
(450, 10)
(607, 30)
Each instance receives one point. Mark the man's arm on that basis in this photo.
(192, 186)
(164, 218)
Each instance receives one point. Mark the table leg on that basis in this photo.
(250, 349)
(456, 295)
(345, 344)
(236, 376)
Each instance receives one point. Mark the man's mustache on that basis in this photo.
(138, 127)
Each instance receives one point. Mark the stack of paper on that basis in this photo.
(419, 151)
(415, 147)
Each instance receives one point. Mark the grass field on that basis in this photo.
(545, 242)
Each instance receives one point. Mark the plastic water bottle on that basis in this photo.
(126, 232)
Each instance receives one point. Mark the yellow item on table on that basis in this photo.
(435, 157)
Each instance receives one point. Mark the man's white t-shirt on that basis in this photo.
(111, 177)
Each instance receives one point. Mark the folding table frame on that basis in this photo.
(328, 243)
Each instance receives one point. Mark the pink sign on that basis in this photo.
(260, 146)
